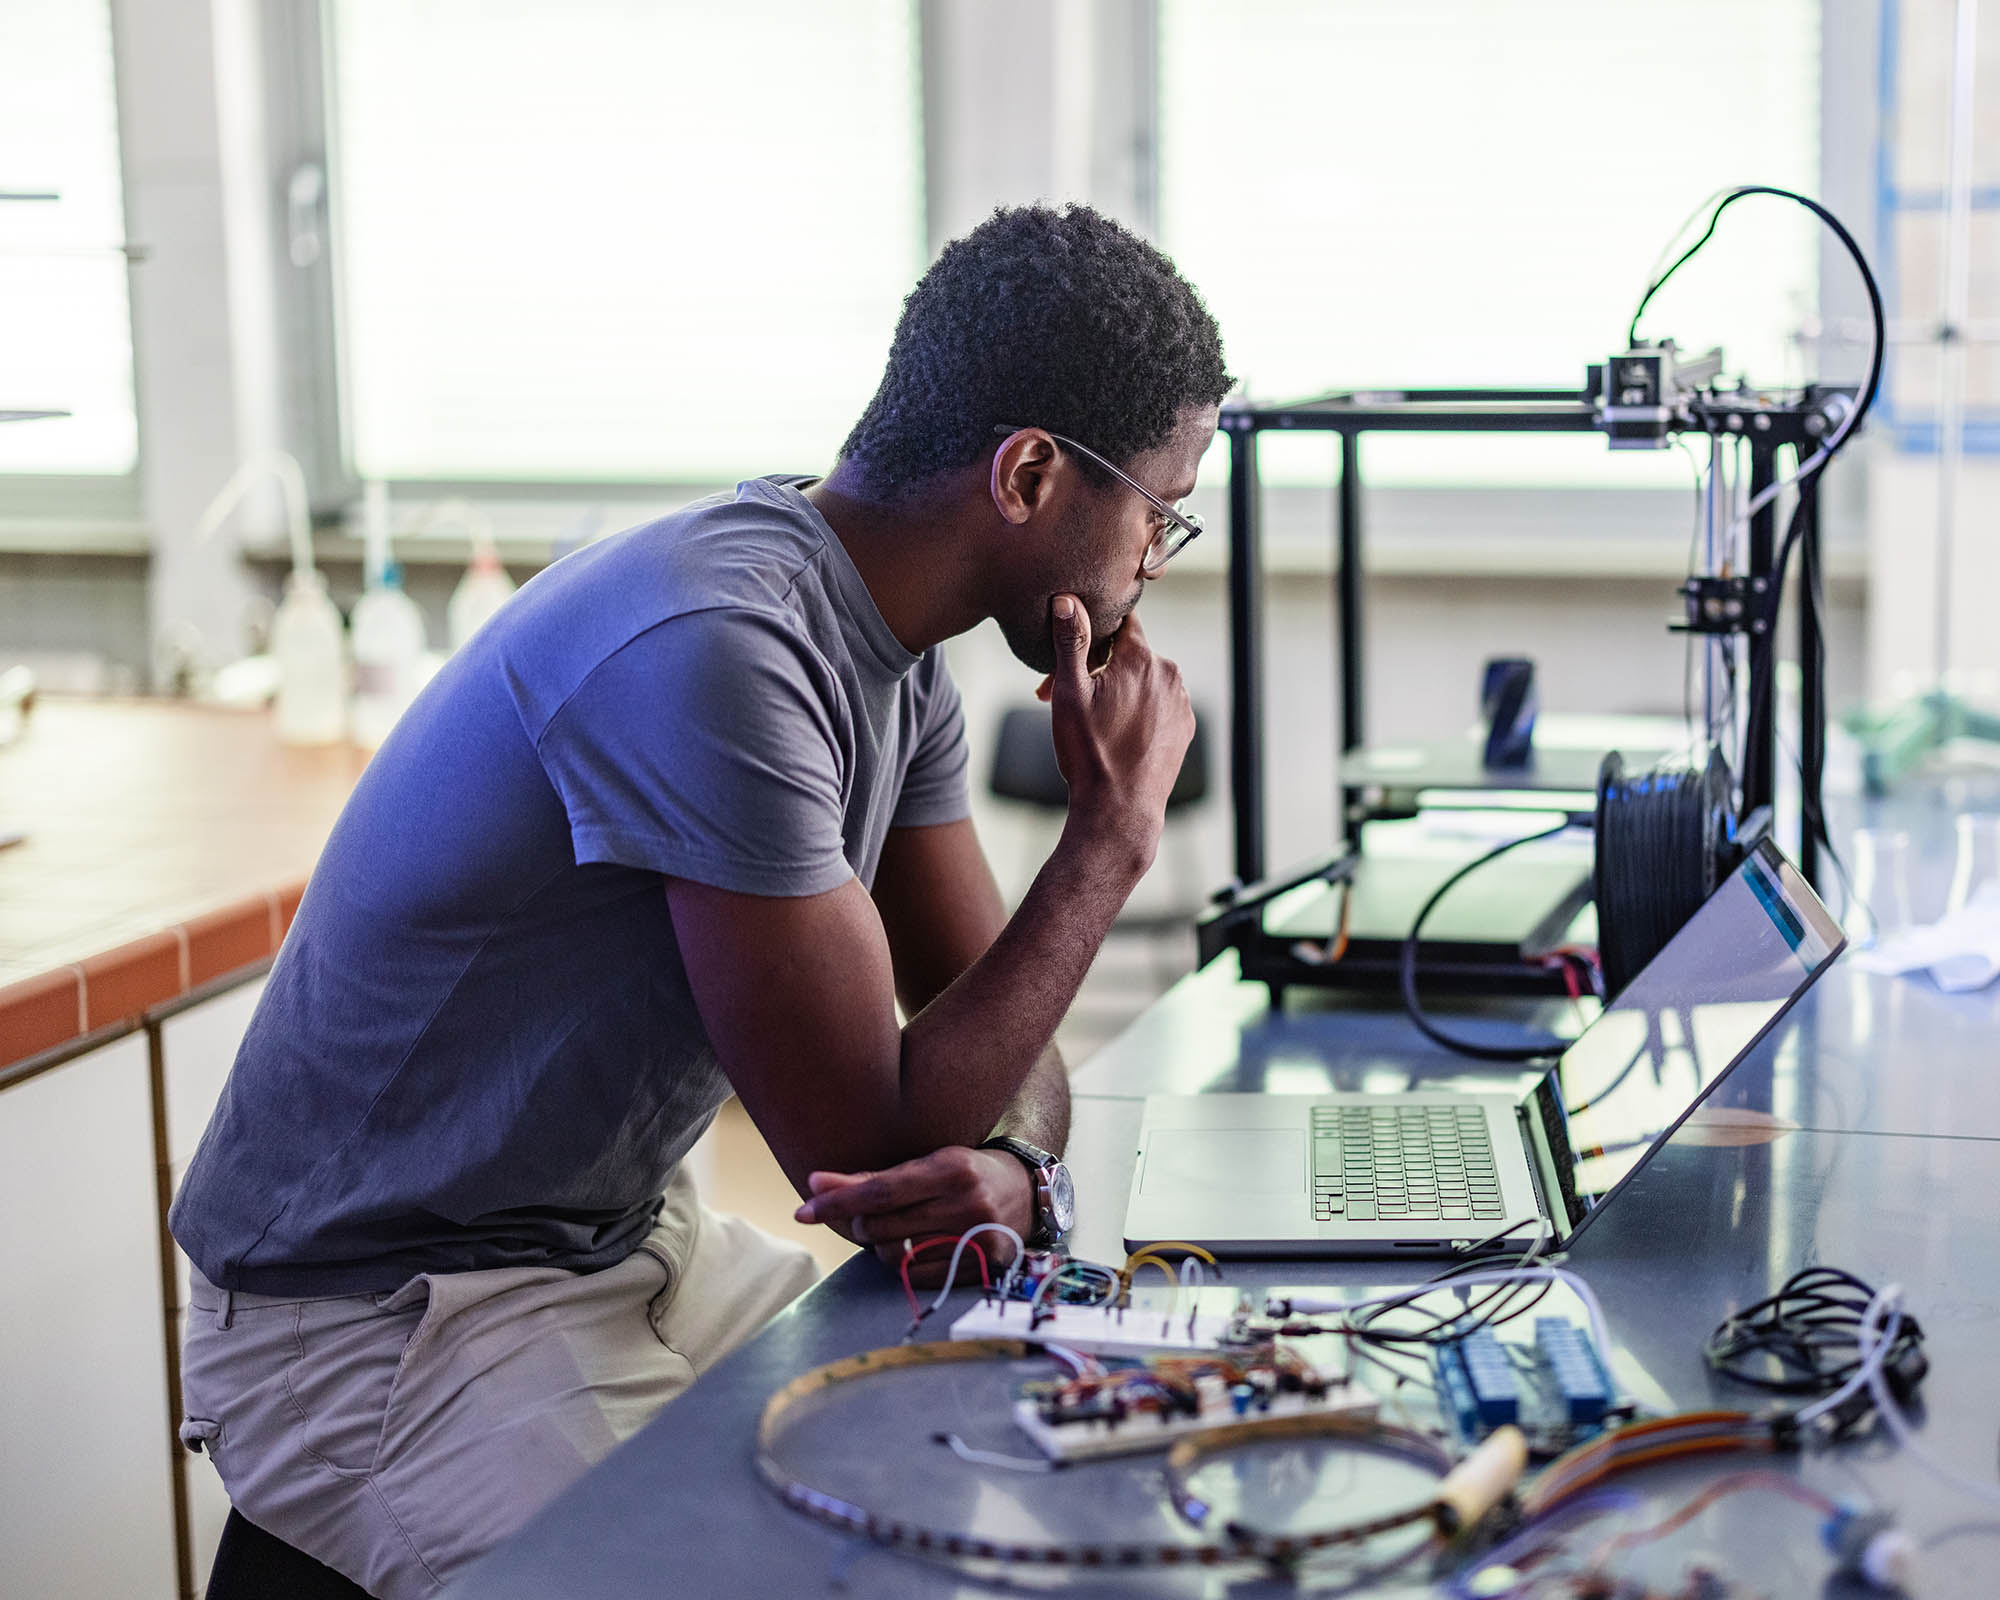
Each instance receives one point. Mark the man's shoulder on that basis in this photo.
(741, 548)
(723, 569)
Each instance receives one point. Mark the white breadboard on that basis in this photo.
(1095, 1438)
(1155, 1321)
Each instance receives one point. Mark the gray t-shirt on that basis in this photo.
(478, 1047)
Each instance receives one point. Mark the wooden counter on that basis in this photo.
(167, 847)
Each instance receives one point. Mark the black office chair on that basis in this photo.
(1024, 769)
(1024, 763)
(251, 1564)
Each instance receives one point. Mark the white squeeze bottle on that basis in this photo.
(308, 642)
(485, 588)
(389, 633)
(310, 645)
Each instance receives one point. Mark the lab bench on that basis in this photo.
(164, 850)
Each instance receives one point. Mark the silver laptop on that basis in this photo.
(1438, 1172)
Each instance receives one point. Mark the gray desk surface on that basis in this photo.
(1893, 1172)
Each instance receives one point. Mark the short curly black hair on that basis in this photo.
(1039, 317)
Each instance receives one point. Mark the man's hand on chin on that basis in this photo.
(942, 1194)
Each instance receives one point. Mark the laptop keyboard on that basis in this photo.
(1403, 1164)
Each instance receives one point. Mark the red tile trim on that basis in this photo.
(126, 982)
(40, 1013)
(222, 941)
(43, 1012)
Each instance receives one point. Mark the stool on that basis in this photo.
(251, 1564)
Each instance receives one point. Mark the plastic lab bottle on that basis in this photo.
(310, 645)
(389, 640)
(483, 590)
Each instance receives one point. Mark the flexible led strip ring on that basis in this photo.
(1464, 1492)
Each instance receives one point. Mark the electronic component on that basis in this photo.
(1646, 390)
(1124, 1418)
(1154, 1320)
(1574, 1369)
(1558, 1390)
(1868, 1545)
(1477, 1380)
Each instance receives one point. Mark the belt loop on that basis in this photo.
(227, 1318)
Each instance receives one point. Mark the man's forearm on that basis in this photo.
(1040, 1111)
(968, 1057)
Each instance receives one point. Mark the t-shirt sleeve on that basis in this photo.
(705, 748)
(934, 783)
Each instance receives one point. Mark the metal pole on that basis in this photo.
(1347, 593)
(1246, 678)
(1760, 745)
(1812, 703)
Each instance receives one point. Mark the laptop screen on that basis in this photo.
(1662, 1045)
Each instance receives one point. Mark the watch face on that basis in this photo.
(1062, 1198)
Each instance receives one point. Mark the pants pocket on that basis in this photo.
(348, 1354)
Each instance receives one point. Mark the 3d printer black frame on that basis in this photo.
(1797, 424)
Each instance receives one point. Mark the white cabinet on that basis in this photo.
(196, 1049)
(86, 1445)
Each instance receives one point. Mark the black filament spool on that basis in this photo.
(1666, 837)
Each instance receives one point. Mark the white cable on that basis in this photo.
(1402, 1297)
(1035, 1299)
(993, 1458)
(964, 1239)
(1885, 1403)
(1079, 1363)
(1871, 1360)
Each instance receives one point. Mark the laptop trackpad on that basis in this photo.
(1240, 1161)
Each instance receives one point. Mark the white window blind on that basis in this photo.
(65, 314)
(618, 240)
(1450, 193)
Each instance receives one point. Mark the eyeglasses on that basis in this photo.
(1182, 529)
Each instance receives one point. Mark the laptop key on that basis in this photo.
(1360, 1211)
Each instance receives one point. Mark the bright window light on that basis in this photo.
(1456, 193)
(65, 314)
(611, 241)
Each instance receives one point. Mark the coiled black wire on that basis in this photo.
(1806, 1340)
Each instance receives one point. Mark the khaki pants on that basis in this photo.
(398, 1437)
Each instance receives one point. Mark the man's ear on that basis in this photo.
(1021, 478)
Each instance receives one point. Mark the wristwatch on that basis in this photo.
(1055, 1192)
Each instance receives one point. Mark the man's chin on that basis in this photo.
(1035, 651)
(1035, 648)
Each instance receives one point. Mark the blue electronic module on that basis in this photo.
(1557, 1390)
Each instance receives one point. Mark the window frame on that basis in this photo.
(91, 512)
(1123, 171)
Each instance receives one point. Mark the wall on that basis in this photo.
(1013, 116)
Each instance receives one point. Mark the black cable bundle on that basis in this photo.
(1806, 1340)
(1665, 839)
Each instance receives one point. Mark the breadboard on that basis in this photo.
(1155, 1321)
(1095, 1438)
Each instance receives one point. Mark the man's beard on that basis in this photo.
(1032, 638)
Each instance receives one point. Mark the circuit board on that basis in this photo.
(1091, 1437)
(1555, 1390)
(1154, 1320)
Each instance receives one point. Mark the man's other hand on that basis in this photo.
(944, 1193)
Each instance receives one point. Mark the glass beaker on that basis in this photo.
(1881, 904)
(1977, 862)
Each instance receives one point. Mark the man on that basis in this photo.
(690, 816)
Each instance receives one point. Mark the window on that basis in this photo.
(1401, 193)
(65, 314)
(611, 241)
